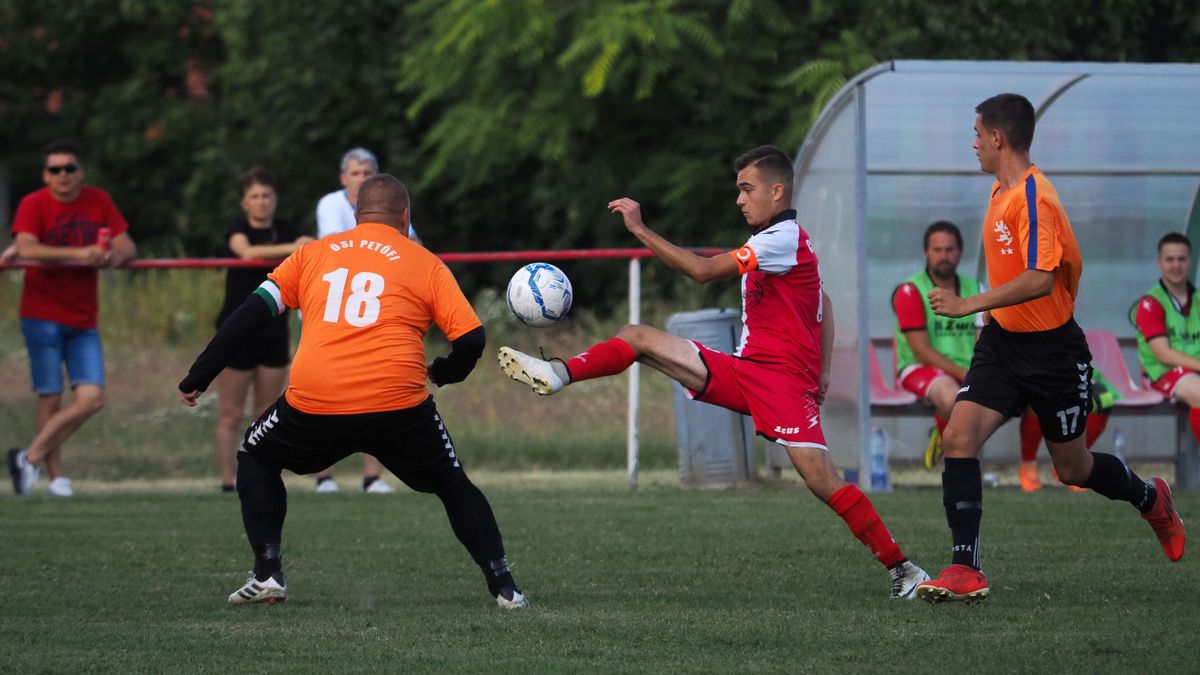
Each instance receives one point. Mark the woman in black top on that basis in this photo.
(262, 361)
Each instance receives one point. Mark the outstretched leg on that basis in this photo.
(669, 354)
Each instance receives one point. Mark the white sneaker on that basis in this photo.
(905, 579)
(326, 486)
(511, 598)
(24, 474)
(61, 487)
(379, 487)
(544, 377)
(269, 592)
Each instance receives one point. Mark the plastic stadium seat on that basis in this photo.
(881, 392)
(1107, 357)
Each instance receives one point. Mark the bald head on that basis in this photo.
(383, 199)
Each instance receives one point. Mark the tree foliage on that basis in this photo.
(514, 121)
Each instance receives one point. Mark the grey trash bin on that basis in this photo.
(716, 446)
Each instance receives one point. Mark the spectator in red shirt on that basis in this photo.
(73, 230)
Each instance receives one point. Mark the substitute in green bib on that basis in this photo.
(1168, 328)
(933, 352)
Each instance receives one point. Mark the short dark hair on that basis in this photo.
(62, 147)
(943, 226)
(771, 162)
(1174, 238)
(1011, 113)
(255, 176)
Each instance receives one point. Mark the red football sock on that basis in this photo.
(607, 358)
(854, 508)
(941, 424)
(1095, 426)
(1031, 437)
(1194, 418)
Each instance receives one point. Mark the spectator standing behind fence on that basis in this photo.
(1168, 328)
(64, 222)
(262, 360)
(933, 352)
(335, 213)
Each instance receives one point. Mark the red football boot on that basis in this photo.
(956, 583)
(1166, 521)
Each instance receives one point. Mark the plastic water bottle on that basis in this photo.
(881, 477)
(1119, 445)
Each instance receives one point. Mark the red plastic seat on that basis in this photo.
(1107, 358)
(883, 393)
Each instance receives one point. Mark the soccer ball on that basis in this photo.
(539, 294)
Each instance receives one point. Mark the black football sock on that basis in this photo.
(264, 507)
(368, 480)
(498, 576)
(267, 561)
(1113, 479)
(474, 524)
(962, 495)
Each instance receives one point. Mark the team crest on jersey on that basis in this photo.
(1004, 238)
(753, 293)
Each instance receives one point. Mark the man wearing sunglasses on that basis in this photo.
(72, 230)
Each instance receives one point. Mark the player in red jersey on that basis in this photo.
(1032, 353)
(780, 371)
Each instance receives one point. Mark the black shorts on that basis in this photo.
(412, 443)
(1049, 371)
(272, 352)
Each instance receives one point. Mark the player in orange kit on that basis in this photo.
(1032, 353)
(368, 296)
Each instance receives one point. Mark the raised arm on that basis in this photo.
(695, 267)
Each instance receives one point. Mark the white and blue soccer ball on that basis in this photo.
(539, 294)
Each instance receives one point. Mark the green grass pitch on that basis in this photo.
(659, 580)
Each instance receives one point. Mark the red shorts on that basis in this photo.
(1165, 385)
(918, 378)
(781, 403)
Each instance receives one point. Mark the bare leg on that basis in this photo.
(669, 354)
(47, 406)
(89, 400)
(941, 394)
(232, 388)
(817, 470)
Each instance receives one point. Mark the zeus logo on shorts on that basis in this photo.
(263, 427)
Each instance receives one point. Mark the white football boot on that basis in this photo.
(268, 592)
(511, 598)
(544, 377)
(24, 473)
(327, 486)
(905, 579)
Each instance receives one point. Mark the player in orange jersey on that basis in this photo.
(1032, 353)
(358, 382)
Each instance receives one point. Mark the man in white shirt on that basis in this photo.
(335, 211)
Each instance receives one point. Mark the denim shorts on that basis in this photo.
(50, 344)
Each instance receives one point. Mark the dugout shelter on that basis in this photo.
(891, 153)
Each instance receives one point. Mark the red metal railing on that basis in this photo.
(494, 256)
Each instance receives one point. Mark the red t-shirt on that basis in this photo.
(66, 295)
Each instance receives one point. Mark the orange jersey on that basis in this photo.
(367, 297)
(1026, 228)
